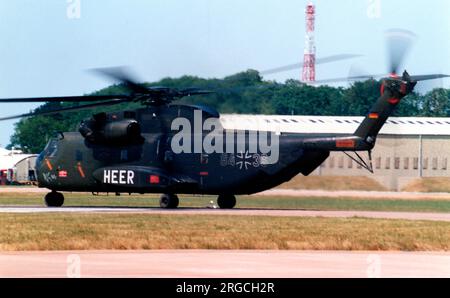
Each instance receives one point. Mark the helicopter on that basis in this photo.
(169, 148)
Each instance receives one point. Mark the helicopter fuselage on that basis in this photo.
(69, 164)
(164, 149)
(72, 162)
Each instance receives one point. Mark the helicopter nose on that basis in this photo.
(40, 163)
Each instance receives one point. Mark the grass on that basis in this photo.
(336, 183)
(333, 183)
(96, 232)
(308, 203)
(348, 204)
(437, 184)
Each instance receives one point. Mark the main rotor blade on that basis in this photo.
(68, 109)
(86, 98)
(123, 76)
(418, 78)
(421, 78)
(194, 91)
(318, 61)
(399, 42)
(349, 79)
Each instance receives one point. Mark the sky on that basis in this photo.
(46, 47)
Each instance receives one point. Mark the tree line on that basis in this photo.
(245, 93)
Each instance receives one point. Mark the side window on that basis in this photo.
(124, 155)
(164, 149)
(52, 148)
(78, 155)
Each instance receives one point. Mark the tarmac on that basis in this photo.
(224, 264)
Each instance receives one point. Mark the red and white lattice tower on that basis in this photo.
(309, 60)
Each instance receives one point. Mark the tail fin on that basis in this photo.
(393, 90)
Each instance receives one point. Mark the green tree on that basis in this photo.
(358, 99)
(410, 106)
(436, 104)
(245, 93)
(31, 134)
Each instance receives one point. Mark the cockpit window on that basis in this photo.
(52, 148)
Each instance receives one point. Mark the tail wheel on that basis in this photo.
(169, 201)
(226, 201)
(54, 199)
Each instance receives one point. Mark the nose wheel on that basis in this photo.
(169, 201)
(226, 201)
(54, 199)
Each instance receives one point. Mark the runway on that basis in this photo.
(280, 192)
(224, 264)
(234, 212)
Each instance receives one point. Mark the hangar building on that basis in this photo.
(406, 149)
(16, 167)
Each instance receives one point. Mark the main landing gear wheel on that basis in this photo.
(226, 201)
(169, 201)
(54, 199)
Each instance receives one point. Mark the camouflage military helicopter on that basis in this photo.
(146, 151)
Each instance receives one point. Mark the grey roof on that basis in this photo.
(334, 124)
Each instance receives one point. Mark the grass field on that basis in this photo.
(143, 231)
(108, 231)
(436, 184)
(316, 203)
(333, 183)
